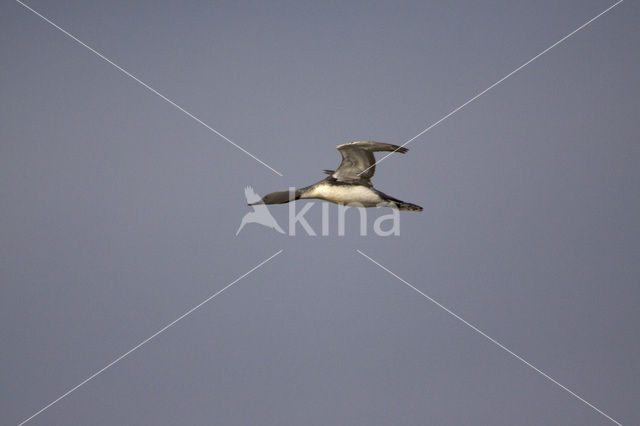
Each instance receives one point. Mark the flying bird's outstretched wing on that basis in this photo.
(251, 195)
(357, 158)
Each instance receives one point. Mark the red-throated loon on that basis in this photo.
(350, 183)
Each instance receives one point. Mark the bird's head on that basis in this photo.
(280, 197)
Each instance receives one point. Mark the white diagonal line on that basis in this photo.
(148, 339)
(128, 74)
(497, 82)
(500, 345)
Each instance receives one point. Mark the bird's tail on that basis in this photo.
(408, 206)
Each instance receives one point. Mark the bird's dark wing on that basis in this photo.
(358, 162)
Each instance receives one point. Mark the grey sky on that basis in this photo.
(119, 213)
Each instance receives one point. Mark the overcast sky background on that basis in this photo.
(119, 212)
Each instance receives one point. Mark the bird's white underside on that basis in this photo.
(345, 194)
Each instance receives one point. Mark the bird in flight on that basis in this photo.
(350, 183)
